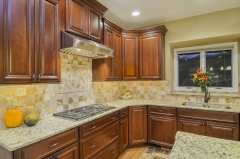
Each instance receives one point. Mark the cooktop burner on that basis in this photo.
(84, 112)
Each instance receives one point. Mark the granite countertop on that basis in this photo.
(189, 145)
(16, 138)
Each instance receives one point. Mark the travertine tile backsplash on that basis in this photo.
(77, 89)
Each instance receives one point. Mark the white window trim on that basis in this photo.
(223, 46)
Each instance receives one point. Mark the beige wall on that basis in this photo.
(218, 27)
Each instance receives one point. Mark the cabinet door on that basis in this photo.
(222, 130)
(109, 41)
(191, 126)
(130, 57)
(118, 55)
(49, 45)
(137, 125)
(16, 41)
(76, 17)
(70, 152)
(161, 130)
(123, 139)
(94, 25)
(150, 56)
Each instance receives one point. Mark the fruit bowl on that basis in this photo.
(126, 96)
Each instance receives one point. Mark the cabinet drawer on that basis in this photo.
(109, 152)
(47, 146)
(123, 112)
(209, 115)
(95, 125)
(92, 144)
(162, 110)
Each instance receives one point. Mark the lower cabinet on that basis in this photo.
(123, 134)
(191, 126)
(162, 130)
(137, 125)
(222, 130)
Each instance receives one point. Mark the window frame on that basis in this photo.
(233, 46)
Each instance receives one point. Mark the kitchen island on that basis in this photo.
(189, 145)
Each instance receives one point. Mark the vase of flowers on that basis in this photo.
(202, 79)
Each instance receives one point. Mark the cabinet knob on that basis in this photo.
(113, 152)
(93, 127)
(113, 133)
(161, 111)
(94, 145)
(33, 77)
(113, 118)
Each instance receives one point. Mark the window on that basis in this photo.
(220, 60)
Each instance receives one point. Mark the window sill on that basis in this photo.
(236, 95)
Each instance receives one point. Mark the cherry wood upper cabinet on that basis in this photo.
(16, 41)
(49, 45)
(130, 55)
(29, 41)
(84, 20)
(76, 17)
(109, 68)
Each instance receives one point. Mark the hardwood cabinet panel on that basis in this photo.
(76, 17)
(47, 146)
(209, 115)
(97, 124)
(123, 112)
(137, 125)
(94, 25)
(110, 152)
(70, 152)
(49, 48)
(91, 145)
(162, 130)
(222, 130)
(150, 56)
(191, 126)
(17, 41)
(162, 110)
(123, 135)
(130, 57)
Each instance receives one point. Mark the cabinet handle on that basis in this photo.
(93, 127)
(94, 145)
(160, 117)
(113, 118)
(53, 145)
(124, 112)
(38, 77)
(121, 122)
(161, 111)
(113, 133)
(113, 152)
(33, 77)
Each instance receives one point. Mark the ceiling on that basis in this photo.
(160, 11)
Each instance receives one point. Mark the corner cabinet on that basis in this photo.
(84, 20)
(29, 41)
(137, 125)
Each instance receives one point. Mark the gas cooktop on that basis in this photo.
(84, 112)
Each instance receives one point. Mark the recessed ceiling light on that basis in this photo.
(135, 13)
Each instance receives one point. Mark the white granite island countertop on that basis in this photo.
(191, 146)
(16, 138)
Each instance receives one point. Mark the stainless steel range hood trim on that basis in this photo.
(75, 45)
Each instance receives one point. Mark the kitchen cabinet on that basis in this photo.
(83, 20)
(151, 51)
(30, 41)
(51, 145)
(137, 125)
(223, 125)
(162, 125)
(130, 55)
(109, 68)
(110, 152)
(123, 128)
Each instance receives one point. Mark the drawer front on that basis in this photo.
(92, 144)
(209, 115)
(123, 112)
(95, 125)
(162, 110)
(111, 151)
(48, 146)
